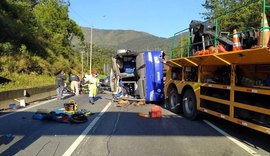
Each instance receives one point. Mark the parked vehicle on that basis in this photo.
(104, 84)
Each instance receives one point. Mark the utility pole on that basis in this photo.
(82, 62)
(87, 55)
(91, 48)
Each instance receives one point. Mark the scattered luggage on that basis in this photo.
(68, 114)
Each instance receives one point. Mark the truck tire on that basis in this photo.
(173, 102)
(189, 105)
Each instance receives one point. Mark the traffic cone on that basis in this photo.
(197, 53)
(221, 48)
(266, 32)
(205, 52)
(236, 41)
(211, 50)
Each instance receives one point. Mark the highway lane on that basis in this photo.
(122, 132)
(118, 131)
(259, 142)
(22, 135)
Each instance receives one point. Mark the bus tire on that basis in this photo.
(189, 103)
(173, 101)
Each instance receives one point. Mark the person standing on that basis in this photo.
(74, 83)
(92, 80)
(60, 84)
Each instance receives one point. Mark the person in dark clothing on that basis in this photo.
(60, 84)
(74, 83)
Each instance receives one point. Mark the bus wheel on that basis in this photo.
(173, 101)
(189, 105)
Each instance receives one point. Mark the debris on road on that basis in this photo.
(156, 112)
(6, 139)
(123, 102)
(144, 115)
(133, 101)
(8, 135)
(140, 103)
(69, 113)
(14, 106)
(22, 102)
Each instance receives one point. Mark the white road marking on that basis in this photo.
(77, 142)
(237, 142)
(23, 109)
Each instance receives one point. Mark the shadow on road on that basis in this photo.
(128, 124)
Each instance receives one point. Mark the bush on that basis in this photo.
(22, 81)
(6, 48)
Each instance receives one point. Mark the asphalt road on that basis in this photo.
(119, 131)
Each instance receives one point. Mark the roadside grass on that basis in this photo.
(22, 81)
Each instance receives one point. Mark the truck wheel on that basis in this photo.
(189, 105)
(173, 101)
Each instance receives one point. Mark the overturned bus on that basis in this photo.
(138, 74)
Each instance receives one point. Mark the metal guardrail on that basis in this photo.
(29, 95)
(6, 95)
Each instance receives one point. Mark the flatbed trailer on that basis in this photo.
(232, 85)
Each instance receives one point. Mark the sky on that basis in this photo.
(161, 18)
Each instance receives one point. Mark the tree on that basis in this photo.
(55, 25)
(35, 36)
(240, 14)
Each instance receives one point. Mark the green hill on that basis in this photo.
(127, 39)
